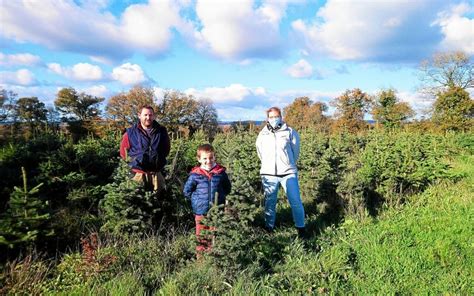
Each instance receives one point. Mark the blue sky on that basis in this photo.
(244, 55)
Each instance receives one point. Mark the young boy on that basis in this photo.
(205, 183)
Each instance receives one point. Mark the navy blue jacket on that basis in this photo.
(147, 152)
(202, 187)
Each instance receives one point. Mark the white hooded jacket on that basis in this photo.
(278, 150)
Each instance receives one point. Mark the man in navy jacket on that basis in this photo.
(146, 145)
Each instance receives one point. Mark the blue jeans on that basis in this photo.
(292, 189)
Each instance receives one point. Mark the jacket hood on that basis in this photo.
(218, 169)
(269, 129)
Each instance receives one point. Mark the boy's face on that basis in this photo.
(206, 159)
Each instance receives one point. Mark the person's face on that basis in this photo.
(206, 159)
(273, 114)
(274, 119)
(146, 117)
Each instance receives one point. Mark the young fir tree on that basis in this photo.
(234, 236)
(127, 207)
(25, 219)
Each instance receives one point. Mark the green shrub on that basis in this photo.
(127, 207)
(26, 219)
(399, 164)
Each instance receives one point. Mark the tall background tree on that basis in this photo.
(77, 106)
(7, 102)
(389, 111)
(303, 113)
(453, 110)
(351, 107)
(7, 110)
(205, 118)
(79, 110)
(32, 111)
(177, 110)
(446, 70)
(124, 107)
(447, 76)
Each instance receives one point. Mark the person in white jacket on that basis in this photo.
(278, 147)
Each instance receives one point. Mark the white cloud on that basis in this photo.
(371, 30)
(19, 59)
(97, 91)
(148, 26)
(236, 30)
(23, 77)
(241, 114)
(87, 28)
(419, 102)
(232, 94)
(301, 69)
(85, 71)
(129, 74)
(458, 31)
(79, 72)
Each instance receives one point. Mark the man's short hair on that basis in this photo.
(147, 107)
(274, 109)
(204, 148)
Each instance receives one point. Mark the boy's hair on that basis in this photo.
(146, 107)
(274, 109)
(204, 148)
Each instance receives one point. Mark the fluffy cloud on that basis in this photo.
(148, 26)
(88, 29)
(236, 30)
(129, 74)
(80, 71)
(234, 94)
(241, 114)
(19, 59)
(458, 30)
(421, 103)
(23, 77)
(301, 69)
(97, 91)
(372, 30)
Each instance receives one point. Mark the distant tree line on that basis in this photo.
(446, 77)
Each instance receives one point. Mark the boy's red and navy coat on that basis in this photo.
(202, 186)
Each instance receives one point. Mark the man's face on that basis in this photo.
(146, 117)
(207, 160)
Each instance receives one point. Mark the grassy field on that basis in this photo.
(425, 246)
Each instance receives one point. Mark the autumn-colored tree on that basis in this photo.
(205, 118)
(80, 110)
(31, 110)
(453, 110)
(176, 110)
(351, 107)
(303, 113)
(389, 111)
(124, 107)
(77, 106)
(446, 70)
